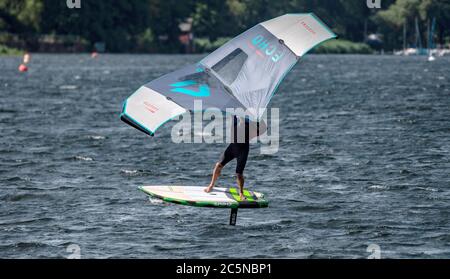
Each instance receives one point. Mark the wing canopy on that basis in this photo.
(244, 73)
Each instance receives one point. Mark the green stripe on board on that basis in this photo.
(248, 196)
(235, 194)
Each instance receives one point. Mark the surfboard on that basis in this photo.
(196, 196)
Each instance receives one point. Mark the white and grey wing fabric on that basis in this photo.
(242, 75)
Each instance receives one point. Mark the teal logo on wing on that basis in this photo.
(182, 87)
(264, 46)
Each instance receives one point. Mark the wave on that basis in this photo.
(25, 196)
(83, 158)
(134, 172)
(68, 87)
(96, 137)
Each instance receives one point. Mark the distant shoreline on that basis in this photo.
(339, 46)
(193, 54)
(168, 54)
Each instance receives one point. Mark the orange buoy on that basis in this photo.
(23, 68)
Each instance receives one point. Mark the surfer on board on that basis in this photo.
(241, 134)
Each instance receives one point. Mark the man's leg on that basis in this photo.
(240, 182)
(240, 166)
(225, 158)
(216, 173)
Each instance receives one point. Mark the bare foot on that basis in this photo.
(209, 188)
(241, 197)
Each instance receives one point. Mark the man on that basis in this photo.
(241, 134)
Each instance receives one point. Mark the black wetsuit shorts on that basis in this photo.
(238, 151)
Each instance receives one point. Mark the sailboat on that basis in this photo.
(418, 48)
(430, 44)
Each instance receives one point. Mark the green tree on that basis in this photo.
(139, 25)
(402, 12)
(22, 16)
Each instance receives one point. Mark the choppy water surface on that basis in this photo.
(363, 159)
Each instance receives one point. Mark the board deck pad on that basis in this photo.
(196, 196)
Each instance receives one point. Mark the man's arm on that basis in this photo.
(257, 129)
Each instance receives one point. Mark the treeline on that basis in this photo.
(153, 25)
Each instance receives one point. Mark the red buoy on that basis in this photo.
(94, 54)
(23, 68)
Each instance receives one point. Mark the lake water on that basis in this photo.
(364, 159)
